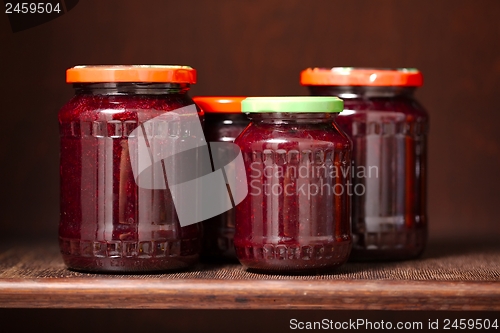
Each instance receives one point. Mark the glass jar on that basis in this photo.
(224, 121)
(388, 128)
(295, 217)
(109, 222)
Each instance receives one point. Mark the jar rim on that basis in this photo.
(357, 76)
(292, 104)
(131, 73)
(219, 104)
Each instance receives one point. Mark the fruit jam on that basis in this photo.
(107, 222)
(388, 128)
(223, 123)
(296, 215)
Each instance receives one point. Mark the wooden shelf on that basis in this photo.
(447, 277)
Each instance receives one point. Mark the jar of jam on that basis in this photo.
(109, 220)
(295, 217)
(388, 128)
(224, 121)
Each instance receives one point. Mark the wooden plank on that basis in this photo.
(234, 294)
(445, 278)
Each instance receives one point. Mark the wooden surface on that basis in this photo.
(447, 277)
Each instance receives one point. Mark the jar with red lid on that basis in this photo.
(295, 217)
(388, 128)
(224, 121)
(116, 213)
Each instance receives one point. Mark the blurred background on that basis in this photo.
(244, 47)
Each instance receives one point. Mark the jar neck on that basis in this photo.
(130, 88)
(292, 118)
(226, 116)
(347, 92)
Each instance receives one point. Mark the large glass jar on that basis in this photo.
(388, 128)
(108, 223)
(224, 121)
(295, 217)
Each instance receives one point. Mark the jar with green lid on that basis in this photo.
(296, 216)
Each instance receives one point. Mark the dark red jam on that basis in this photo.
(388, 128)
(296, 215)
(107, 222)
(223, 123)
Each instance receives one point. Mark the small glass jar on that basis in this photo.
(388, 128)
(224, 121)
(295, 217)
(108, 223)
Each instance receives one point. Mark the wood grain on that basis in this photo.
(207, 294)
(460, 277)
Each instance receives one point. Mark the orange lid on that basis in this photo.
(134, 73)
(219, 104)
(350, 76)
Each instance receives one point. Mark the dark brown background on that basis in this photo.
(258, 48)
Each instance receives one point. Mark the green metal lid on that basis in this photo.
(298, 104)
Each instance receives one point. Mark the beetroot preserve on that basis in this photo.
(388, 128)
(224, 121)
(107, 222)
(296, 215)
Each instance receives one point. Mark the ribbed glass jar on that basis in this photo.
(224, 121)
(295, 217)
(388, 128)
(107, 222)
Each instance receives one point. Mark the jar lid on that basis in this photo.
(299, 104)
(133, 73)
(351, 76)
(219, 104)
